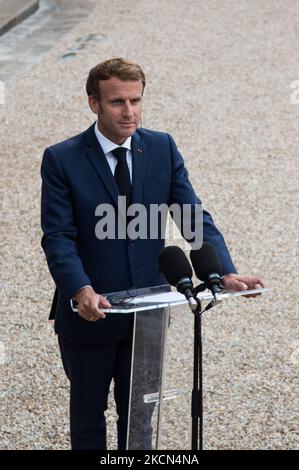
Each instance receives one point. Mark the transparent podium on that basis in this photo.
(151, 309)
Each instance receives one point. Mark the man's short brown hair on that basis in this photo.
(120, 68)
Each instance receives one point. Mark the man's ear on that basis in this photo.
(94, 105)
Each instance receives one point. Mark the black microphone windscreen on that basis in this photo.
(174, 264)
(205, 261)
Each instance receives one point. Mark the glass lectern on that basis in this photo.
(151, 309)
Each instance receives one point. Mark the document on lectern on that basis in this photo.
(126, 302)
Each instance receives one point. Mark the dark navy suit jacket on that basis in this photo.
(76, 179)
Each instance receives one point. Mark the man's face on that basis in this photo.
(119, 108)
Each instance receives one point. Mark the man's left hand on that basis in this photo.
(237, 282)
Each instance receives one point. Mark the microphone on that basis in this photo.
(207, 266)
(176, 268)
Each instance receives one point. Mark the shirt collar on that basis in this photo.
(107, 145)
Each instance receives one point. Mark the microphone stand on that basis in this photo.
(196, 404)
(197, 392)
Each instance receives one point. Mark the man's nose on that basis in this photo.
(128, 109)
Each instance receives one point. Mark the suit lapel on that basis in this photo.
(138, 167)
(98, 160)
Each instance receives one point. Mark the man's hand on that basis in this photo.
(89, 303)
(235, 282)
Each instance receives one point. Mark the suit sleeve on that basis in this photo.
(59, 229)
(182, 192)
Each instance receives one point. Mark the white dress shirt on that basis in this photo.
(107, 146)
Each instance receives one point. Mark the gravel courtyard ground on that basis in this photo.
(219, 80)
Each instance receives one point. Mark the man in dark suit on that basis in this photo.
(113, 157)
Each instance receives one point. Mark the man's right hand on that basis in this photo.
(90, 304)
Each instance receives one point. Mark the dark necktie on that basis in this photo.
(122, 174)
